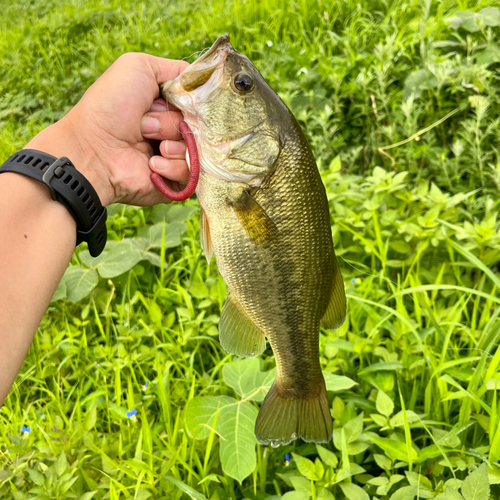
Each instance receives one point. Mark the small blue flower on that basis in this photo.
(25, 430)
(353, 281)
(145, 386)
(132, 414)
(287, 460)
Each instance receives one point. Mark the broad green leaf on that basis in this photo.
(201, 413)
(398, 419)
(152, 257)
(79, 282)
(306, 467)
(245, 377)
(174, 212)
(36, 477)
(320, 469)
(193, 494)
(302, 485)
(415, 479)
(88, 496)
(405, 493)
(491, 16)
(173, 232)
(138, 465)
(411, 492)
(335, 164)
(476, 485)
(93, 262)
(60, 292)
(120, 259)
(61, 464)
(385, 486)
(453, 494)
(325, 494)
(90, 418)
(138, 243)
(395, 449)
(327, 456)
(119, 411)
(338, 382)
(384, 404)
(354, 428)
(210, 477)
(234, 423)
(198, 289)
(295, 495)
(382, 461)
(431, 451)
(493, 384)
(377, 367)
(354, 492)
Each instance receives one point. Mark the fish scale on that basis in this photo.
(270, 233)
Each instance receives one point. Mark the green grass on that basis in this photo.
(415, 227)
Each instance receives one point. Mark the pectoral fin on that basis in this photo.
(258, 225)
(238, 335)
(206, 239)
(336, 309)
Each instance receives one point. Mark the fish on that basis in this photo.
(265, 217)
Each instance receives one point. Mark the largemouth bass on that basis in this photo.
(265, 217)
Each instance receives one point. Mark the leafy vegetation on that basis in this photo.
(126, 392)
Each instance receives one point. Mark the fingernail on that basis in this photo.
(159, 106)
(150, 125)
(160, 164)
(174, 148)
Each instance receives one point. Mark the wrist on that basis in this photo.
(64, 139)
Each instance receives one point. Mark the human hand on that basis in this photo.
(110, 134)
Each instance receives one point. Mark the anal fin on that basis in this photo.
(336, 310)
(238, 335)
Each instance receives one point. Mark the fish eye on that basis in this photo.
(243, 82)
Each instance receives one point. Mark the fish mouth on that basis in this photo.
(198, 73)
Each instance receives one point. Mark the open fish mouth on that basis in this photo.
(200, 72)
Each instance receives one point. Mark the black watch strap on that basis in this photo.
(69, 187)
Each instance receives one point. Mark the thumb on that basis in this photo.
(166, 69)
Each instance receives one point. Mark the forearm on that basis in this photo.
(37, 239)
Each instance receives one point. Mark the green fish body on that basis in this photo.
(265, 217)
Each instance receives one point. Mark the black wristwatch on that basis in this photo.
(69, 187)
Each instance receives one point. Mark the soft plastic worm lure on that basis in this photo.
(194, 173)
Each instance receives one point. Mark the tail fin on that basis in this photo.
(283, 418)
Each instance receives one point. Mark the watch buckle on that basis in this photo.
(54, 170)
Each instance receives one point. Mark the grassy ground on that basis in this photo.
(127, 392)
